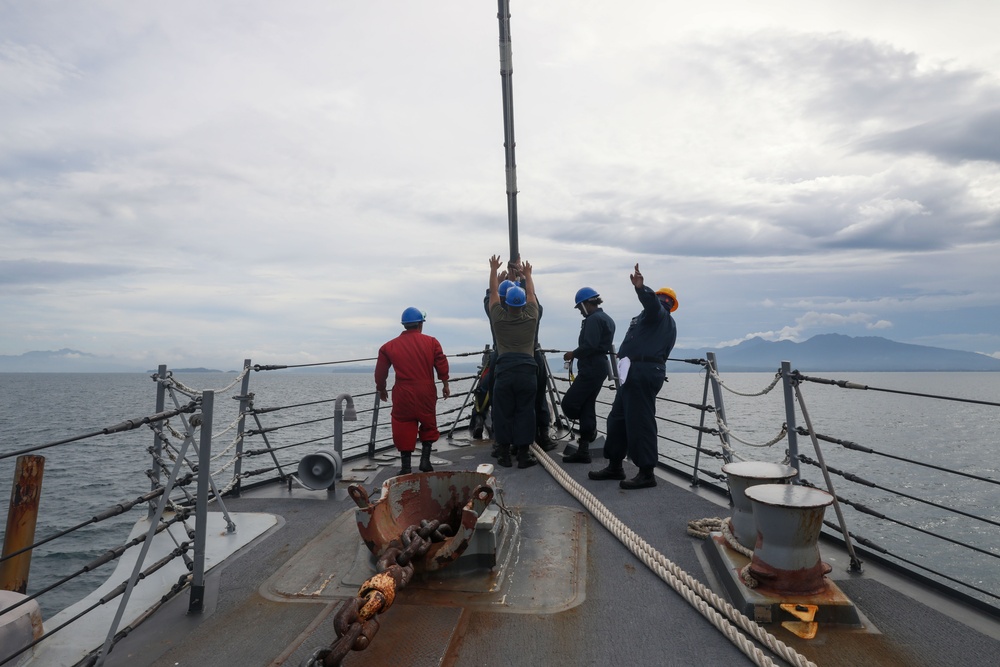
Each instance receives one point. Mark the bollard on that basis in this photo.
(786, 558)
(21, 519)
(741, 475)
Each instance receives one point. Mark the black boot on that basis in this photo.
(525, 458)
(425, 458)
(405, 469)
(543, 439)
(503, 456)
(476, 425)
(643, 480)
(582, 453)
(613, 470)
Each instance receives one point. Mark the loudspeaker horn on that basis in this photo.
(320, 470)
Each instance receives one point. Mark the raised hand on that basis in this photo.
(636, 277)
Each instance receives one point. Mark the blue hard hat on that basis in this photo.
(412, 315)
(516, 296)
(504, 286)
(585, 294)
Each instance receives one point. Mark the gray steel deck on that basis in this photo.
(622, 614)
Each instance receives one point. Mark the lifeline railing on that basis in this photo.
(873, 515)
(17, 559)
(280, 433)
(182, 454)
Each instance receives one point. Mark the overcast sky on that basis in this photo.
(195, 183)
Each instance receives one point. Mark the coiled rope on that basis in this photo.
(693, 591)
(702, 528)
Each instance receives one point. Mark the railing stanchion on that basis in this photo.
(555, 400)
(472, 390)
(720, 406)
(245, 401)
(339, 415)
(701, 430)
(148, 542)
(855, 565)
(371, 437)
(21, 520)
(161, 398)
(613, 367)
(793, 443)
(197, 601)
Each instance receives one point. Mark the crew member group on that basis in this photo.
(517, 378)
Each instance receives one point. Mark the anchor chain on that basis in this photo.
(356, 622)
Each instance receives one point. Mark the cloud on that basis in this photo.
(953, 140)
(28, 71)
(15, 273)
(789, 160)
(197, 180)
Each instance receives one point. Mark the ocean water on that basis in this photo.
(86, 477)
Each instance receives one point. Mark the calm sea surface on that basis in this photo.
(86, 477)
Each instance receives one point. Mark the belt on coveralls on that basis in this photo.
(652, 360)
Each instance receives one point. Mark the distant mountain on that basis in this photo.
(836, 352)
(826, 352)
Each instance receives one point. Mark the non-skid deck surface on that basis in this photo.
(627, 615)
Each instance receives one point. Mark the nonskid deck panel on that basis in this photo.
(648, 622)
(540, 571)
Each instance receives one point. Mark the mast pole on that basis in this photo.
(506, 69)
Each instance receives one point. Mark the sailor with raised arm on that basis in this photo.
(516, 370)
(631, 425)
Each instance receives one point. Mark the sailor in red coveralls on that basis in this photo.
(414, 356)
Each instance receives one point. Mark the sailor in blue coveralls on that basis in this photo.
(631, 425)
(597, 333)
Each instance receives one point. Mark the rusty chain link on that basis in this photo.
(356, 623)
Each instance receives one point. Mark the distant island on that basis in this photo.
(836, 352)
(825, 352)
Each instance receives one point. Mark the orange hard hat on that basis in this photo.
(666, 291)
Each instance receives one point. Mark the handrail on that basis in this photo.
(286, 432)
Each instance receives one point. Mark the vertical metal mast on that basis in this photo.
(506, 69)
